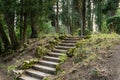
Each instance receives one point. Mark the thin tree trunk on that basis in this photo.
(21, 21)
(83, 24)
(57, 19)
(10, 23)
(89, 11)
(4, 37)
(25, 27)
(9, 15)
(34, 27)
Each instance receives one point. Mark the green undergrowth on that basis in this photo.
(86, 53)
(85, 49)
(28, 64)
(41, 51)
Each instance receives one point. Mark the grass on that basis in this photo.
(86, 48)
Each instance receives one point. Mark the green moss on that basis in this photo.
(62, 36)
(63, 58)
(10, 68)
(70, 52)
(41, 51)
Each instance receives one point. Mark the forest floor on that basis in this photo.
(115, 64)
(101, 64)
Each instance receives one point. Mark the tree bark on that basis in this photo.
(25, 27)
(83, 16)
(9, 17)
(4, 37)
(34, 25)
(57, 19)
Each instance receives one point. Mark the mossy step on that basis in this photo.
(44, 69)
(54, 54)
(72, 38)
(48, 63)
(49, 58)
(69, 41)
(67, 44)
(27, 77)
(59, 50)
(63, 47)
(36, 73)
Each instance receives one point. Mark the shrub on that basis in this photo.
(87, 32)
(28, 64)
(62, 36)
(70, 52)
(63, 58)
(114, 24)
(41, 51)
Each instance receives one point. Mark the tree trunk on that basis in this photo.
(34, 25)
(99, 15)
(4, 37)
(9, 17)
(25, 27)
(21, 21)
(83, 24)
(89, 17)
(57, 19)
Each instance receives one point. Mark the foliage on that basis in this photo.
(62, 36)
(46, 27)
(85, 48)
(87, 32)
(28, 64)
(63, 58)
(114, 23)
(41, 51)
(10, 68)
(70, 52)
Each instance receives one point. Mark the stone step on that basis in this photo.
(48, 63)
(36, 73)
(27, 77)
(72, 38)
(63, 47)
(49, 58)
(44, 69)
(69, 41)
(67, 44)
(53, 54)
(59, 50)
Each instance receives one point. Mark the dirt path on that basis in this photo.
(2, 76)
(116, 64)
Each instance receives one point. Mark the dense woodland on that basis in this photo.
(23, 19)
(70, 39)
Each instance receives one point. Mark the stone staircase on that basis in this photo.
(47, 66)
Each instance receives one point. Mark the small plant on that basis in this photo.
(41, 51)
(25, 45)
(10, 68)
(46, 78)
(70, 52)
(87, 37)
(62, 36)
(28, 64)
(94, 72)
(63, 58)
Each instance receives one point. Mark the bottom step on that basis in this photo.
(26, 77)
